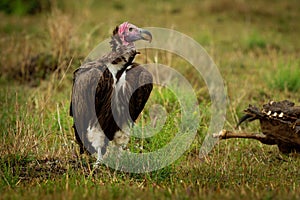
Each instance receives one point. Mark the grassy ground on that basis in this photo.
(256, 48)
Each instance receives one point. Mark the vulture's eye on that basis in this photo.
(130, 29)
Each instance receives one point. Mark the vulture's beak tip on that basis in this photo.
(146, 35)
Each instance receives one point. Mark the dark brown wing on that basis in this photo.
(142, 81)
(88, 84)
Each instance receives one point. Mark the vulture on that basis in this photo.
(109, 93)
(279, 122)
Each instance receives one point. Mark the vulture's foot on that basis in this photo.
(99, 160)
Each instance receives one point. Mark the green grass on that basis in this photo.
(286, 77)
(255, 47)
(254, 41)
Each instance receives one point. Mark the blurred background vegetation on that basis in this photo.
(255, 45)
(24, 7)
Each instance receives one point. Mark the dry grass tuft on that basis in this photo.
(61, 31)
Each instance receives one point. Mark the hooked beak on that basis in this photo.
(145, 35)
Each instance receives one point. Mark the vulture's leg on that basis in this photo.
(96, 136)
(224, 134)
(99, 157)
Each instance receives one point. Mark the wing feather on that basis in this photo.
(142, 81)
(88, 88)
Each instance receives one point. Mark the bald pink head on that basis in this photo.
(130, 33)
